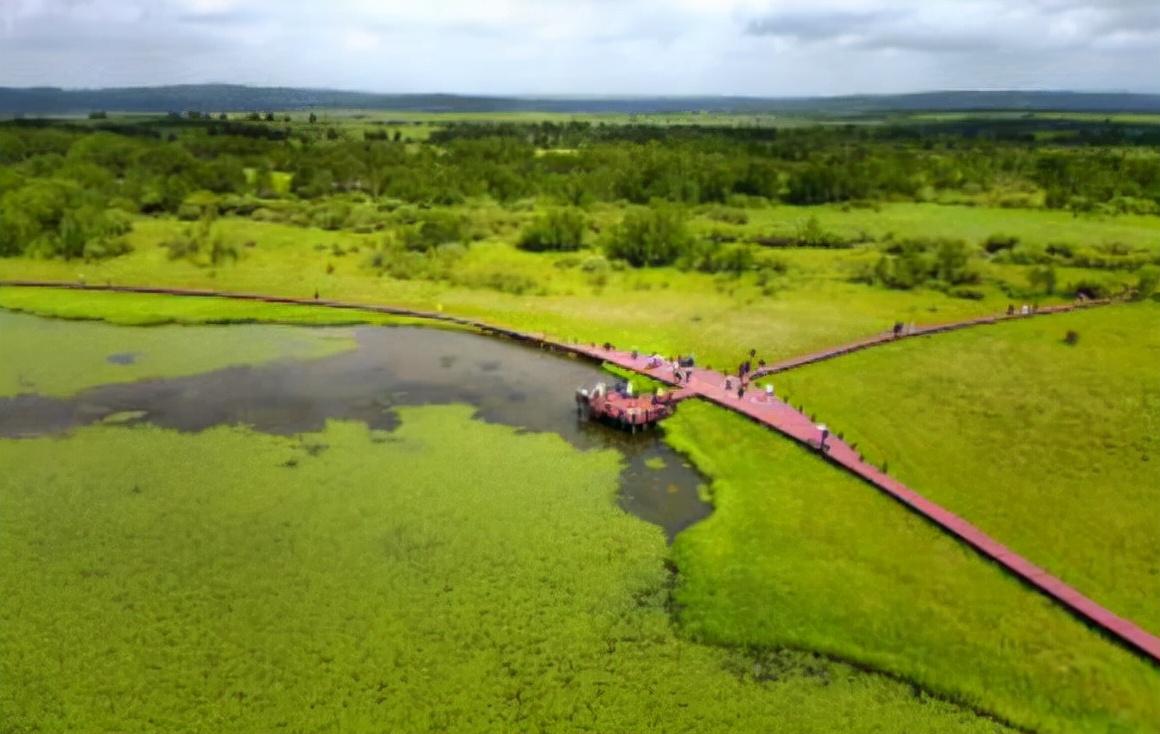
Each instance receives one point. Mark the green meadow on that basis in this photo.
(798, 554)
(1049, 446)
(807, 304)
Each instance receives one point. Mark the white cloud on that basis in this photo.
(755, 47)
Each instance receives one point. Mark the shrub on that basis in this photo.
(559, 230)
(434, 228)
(810, 233)
(200, 239)
(595, 264)
(1043, 278)
(728, 215)
(331, 215)
(1088, 289)
(1147, 282)
(732, 259)
(650, 236)
(1061, 250)
(1000, 242)
(1071, 338)
(907, 264)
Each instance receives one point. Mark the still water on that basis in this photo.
(507, 383)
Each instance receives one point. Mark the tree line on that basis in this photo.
(70, 189)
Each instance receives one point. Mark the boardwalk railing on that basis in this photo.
(769, 412)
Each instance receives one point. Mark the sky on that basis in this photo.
(587, 47)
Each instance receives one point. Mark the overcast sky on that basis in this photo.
(643, 47)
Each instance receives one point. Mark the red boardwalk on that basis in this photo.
(786, 420)
(775, 414)
(890, 336)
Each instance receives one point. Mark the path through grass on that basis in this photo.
(798, 553)
(1051, 448)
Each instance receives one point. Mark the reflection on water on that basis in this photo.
(508, 383)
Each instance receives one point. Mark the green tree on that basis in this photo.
(1147, 282)
(650, 236)
(1043, 278)
(558, 230)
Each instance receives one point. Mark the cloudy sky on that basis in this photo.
(750, 47)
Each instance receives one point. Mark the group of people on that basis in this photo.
(1024, 310)
(745, 374)
(682, 367)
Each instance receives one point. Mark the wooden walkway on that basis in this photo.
(769, 412)
(889, 337)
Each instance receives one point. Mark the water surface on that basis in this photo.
(507, 383)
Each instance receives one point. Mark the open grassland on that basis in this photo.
(1050, 447)
(799, 554)
(813, 305)
(972, 223)
(359, 581)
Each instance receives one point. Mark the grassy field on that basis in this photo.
(229, 581)
(1047, 446)
(972, 223)
(799, 554)
(716, 317)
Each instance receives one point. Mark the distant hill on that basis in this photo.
(218, 97)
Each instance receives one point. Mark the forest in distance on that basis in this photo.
(74, 189)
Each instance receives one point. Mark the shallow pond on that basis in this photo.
(506, 382)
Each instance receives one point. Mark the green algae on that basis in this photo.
(53, 357)
(450, 576)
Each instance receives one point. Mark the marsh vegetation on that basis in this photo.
(378, 549)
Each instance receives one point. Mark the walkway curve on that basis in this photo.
(767, 411)
(889, 337)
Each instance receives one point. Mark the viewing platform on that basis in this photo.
(619, 408)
